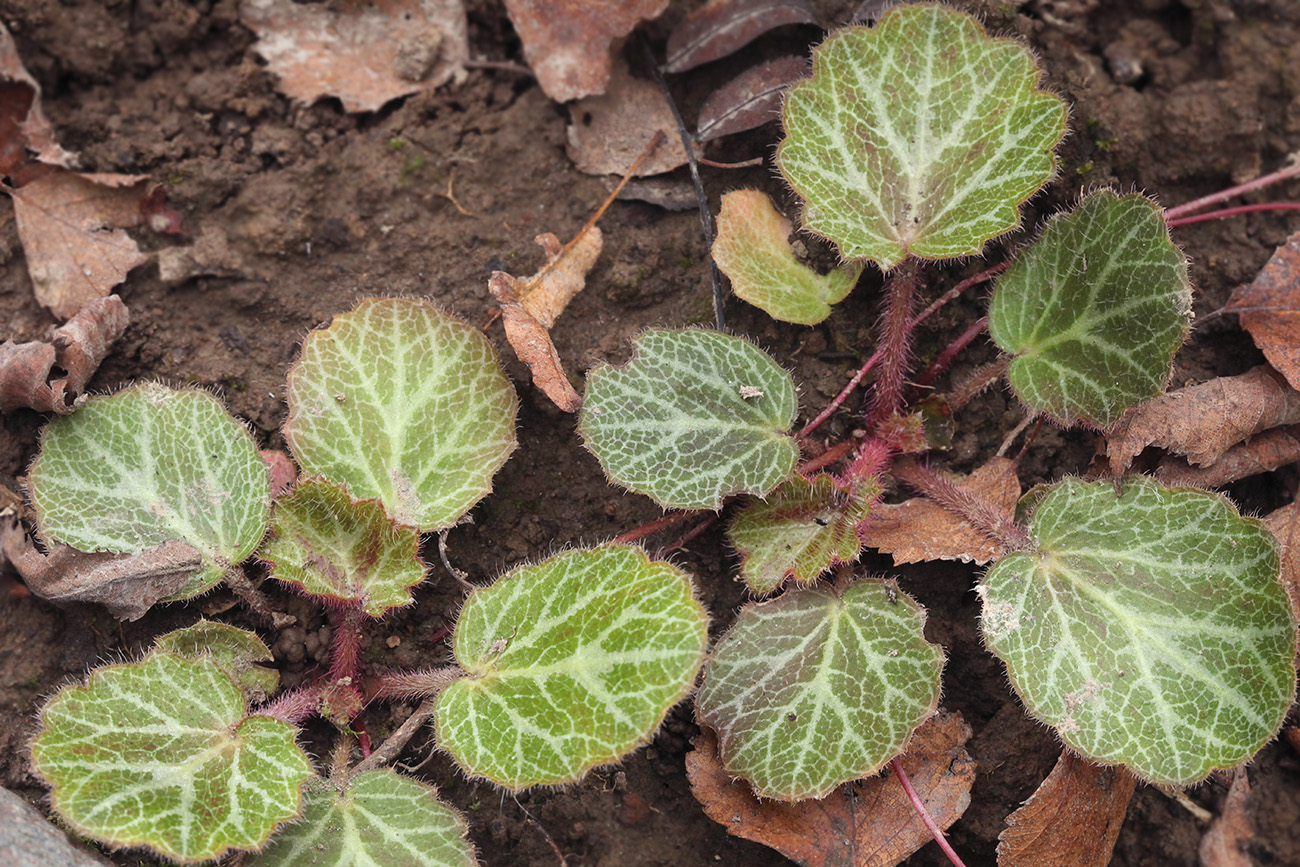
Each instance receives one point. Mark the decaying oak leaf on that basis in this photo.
(127, 585)
(24, 130)
(920, 529)
(1072, 820)
(1204, 421)
(1269, 308)
(750, 99)
(609, 132)
(720, 27)
(530, 307)
(1224, 845)
(1262, 453)
(71, 227)
(27, 377)
(866, 823)
(567, 42)
(366, 54)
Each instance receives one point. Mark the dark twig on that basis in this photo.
(392, 747)
(706, 218)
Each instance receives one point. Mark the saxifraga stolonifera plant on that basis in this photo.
(1145, 624)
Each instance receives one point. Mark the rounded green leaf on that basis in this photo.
(753, 250)
(693, 417)
(148, 465)
(921, 136)
(799, 531)
(347, 550)
(236, 651)
(159, 753)
(814, 689)
(402, 403)
(572, 663)
(382, 820)
(1149, 628)
(1094, 310)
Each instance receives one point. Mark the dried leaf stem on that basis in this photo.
(919, 806)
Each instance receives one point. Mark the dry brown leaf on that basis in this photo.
(868, 823)
(76, 348)
(284, 473)
(751, 99)
(1262, 454)
(1269, 308)
(1224, 844)
(549, 291)
(24, 129)
(71, 227)
(363, 53)
(920, 529)
(608, 133)
(532, 343)
(1284, 524)
(567, 42)
(1072, 820)
(720, 27)
(127, 585)
(1204, 421)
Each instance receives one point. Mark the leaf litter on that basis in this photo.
(721, 27)
(1072, 820)
(365, 54)
(749, 100)
(1269, 308)
(866, 823)
(51, 375)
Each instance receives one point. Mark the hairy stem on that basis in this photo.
(952, 350)
(919, 806)
(415, 684)
(895, 342)
(345, 655)
(980, 514)
(294, 706)
(1231, 212)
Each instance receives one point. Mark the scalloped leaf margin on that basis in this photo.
(694, 417)
(572, 663)
(1149, 629)
(919, 137)
(403, 403)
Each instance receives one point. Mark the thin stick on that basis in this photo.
(952, 350)
(1231, 192)
(237, 581)
(917, 804)
(391, 748)
(1231, 212)
(706, 218)
(637, 533)
(756, 161)
(826, 458)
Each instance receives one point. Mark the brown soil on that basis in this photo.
(322, 208)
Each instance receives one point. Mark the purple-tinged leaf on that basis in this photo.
(720, 27)
(750, 99)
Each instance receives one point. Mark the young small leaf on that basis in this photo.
(753, 251)
(572, 663)
(344, 549)
(1149, 628)
(921, 136)
(402, 403)
(148, 465)
(159, 753)
(236, 651)
(799, 531)
(382, 818)
(814, 689)
(693, 417)
(1094, 310)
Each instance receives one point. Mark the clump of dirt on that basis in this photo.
(295, 212)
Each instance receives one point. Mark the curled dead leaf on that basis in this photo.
(920, 529)
(720, 27)
(567, 42)
(27, 377)
(867, 823)
(24, 129)
(1203, 421)
(71, 227)
(127, 585)
(1284, 524)
(1269, 308)
(608, 133)
(532, 343)
(1072, 820)
(749, 100)
(366, 54)
(1264, 453)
